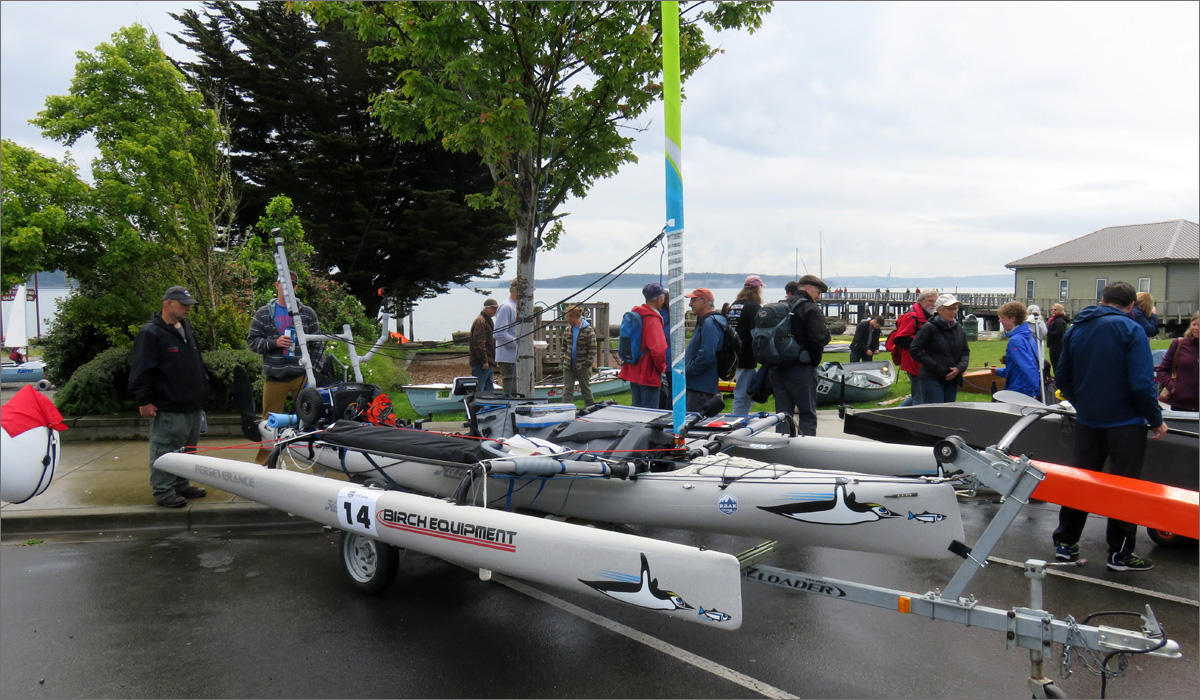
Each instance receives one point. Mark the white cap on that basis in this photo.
(947, 300)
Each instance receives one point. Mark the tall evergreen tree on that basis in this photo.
(386, 214)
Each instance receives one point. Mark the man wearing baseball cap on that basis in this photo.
(700, 358)
(645, 375)
(482, 347)
(170, 383)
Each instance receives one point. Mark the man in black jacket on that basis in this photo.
(866, 340)
(795, 385)
(169, 380)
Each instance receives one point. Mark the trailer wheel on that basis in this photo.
(309, 407)
(945, 451)
(44, 385)
(1163, 538)
(371, 564)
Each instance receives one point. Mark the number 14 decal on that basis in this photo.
(356, 509)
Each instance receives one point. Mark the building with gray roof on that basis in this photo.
(1162, 258)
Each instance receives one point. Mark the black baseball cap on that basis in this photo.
(180, 295)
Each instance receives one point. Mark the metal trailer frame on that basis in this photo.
(1031, 627)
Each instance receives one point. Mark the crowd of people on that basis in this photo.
(1100, 361)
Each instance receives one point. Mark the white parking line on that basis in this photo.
(764, 689)
(1101, 582)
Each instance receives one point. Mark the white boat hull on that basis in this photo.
(719, 493)
(688, 583)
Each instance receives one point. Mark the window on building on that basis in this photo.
(1028, 289)
(1063, 288)
(1143, 284)
(1100, 285)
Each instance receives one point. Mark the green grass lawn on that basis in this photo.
(983, 353)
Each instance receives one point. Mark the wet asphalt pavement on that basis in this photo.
(269, 613)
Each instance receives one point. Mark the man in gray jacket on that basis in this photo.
(271, 335)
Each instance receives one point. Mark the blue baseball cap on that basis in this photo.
(652, 290)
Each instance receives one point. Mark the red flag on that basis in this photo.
(29, 409)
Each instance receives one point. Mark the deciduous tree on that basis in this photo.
(543, 91)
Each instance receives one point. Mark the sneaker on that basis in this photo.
(1129, 562)
(171, 501)
(191, 491)
(1066, 552)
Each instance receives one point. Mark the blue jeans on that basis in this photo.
(937, 391)
(915, 391)
(644, 396)
(741, 391)
(485, 378)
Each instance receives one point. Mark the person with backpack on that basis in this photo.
(941, 349)
(643, 347)
(899, 340)
(742, 313)
(789, 337)
(700, 359)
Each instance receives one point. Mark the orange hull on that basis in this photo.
(1146, 503)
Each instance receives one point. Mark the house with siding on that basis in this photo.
(1161, 258)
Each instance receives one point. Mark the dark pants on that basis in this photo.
(858, 354)
(796, 390)
(697, 399)
(914, 394)
(644, 396)
(171, 432)
(485, 378)
(935, 391)
(1124, 448)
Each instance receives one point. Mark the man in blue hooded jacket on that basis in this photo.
(700, 358)
(1106, 372)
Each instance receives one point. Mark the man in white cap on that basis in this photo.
(170, 383)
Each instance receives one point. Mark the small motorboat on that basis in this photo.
(428, 399)
(854, 382)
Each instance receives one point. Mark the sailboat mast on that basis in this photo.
(672, 100)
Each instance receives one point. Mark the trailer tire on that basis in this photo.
(1164, 538)
(370, 564)
(44, 385)
(309, 408)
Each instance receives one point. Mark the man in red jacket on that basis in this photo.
(900, 339)
(645, 376)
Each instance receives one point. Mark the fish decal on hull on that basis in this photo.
(842, 509)
(926, 517)
(714, 614)
(643, 593)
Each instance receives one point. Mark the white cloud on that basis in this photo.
(922, 137)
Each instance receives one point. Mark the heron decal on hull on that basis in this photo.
(842, 509)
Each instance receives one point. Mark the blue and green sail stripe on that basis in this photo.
(672, 100)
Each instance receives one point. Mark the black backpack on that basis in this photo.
(727, 353)
(774, 345)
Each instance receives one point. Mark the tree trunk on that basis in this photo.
(526, 256)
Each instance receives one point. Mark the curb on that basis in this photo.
(101, 519)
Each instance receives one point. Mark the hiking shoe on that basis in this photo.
(1129, 562)
(171, 501)
(1066, 552)
(191, 491)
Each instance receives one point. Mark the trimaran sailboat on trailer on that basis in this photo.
(683, 478)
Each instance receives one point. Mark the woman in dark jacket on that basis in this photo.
(1056, 328)
(942, 351)
(1183, 361)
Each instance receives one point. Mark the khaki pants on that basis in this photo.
(275, 393)
(571, 375)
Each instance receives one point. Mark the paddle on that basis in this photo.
(1019, 399)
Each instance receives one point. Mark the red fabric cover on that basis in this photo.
(29, 409)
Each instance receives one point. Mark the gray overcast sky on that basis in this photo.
(921, 138)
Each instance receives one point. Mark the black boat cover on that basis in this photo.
(409, 443)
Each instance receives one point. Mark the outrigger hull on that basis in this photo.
(716, 493)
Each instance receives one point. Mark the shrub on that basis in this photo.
(99, 386)
(73, 339)
(220, 364)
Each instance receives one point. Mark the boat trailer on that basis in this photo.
(1031, 627)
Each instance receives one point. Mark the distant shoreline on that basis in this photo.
(725, 280)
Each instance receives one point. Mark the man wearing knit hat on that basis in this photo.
(645, 375)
